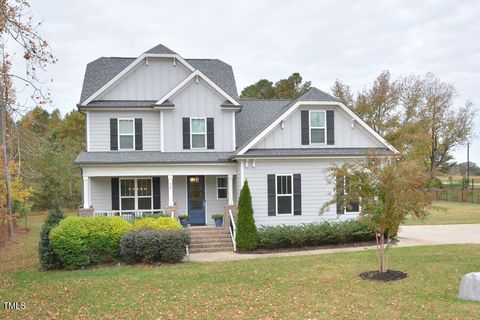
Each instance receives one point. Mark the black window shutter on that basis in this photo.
(138, 134)
(113, 134)
(115, 194)
(305, 127)
(340, 195)
(186, 133)
(297, 194)
(156, 193)
(210, 134)
(330, 127)
(271, 195)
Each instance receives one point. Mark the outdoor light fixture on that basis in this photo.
(194, 179)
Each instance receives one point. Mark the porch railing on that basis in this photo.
(129, 215)
(233, 229)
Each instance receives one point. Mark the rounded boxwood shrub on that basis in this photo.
(69, 241)
(160, 224)
(104, 236)
(152, 246)
(79, 242)
(48, 258)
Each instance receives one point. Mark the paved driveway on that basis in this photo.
(439, 234)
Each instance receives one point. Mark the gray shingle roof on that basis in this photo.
(254, 115)
(219, 72)
(313, 152)
(160, 49)
(150, 157)
(100, 71)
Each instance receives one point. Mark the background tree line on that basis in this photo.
(416, 114)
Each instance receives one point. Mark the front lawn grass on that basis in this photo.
(323, 286)
(445, 212)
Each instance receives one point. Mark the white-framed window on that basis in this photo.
(318, 126)
(126, 134)
(198, 133)
(352, 207)
(284, 194)
(136, 194)
(222, 187)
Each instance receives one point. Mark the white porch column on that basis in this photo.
(170, 190)
(242, 173)
(86, 192)
(230, 189)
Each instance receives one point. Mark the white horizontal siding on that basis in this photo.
(345, 136)
(316, 190)
(101, 193)
(99, 127)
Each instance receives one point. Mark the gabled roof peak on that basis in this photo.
(314, 94)
(160, 49)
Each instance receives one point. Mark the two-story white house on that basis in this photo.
(167, 132)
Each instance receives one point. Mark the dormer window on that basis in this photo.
(126, 134)
(198, 135)
(317, 126)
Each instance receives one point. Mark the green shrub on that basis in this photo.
(48, 258)
(69, 241)
(157, 214)
(246, 237)
(104, 236)
(314, 234)
(217, 216)
(79, 242)
(152, 246)
(160, 224)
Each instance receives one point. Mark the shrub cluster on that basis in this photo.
(313, 234)
(160, 224)
(48, 258)
(152, 246)
(79, 242)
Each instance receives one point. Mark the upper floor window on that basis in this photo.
(126, 134)
(198, 134)
(317, 126)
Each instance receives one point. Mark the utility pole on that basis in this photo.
(468, 160)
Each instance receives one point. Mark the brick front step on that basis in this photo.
(215, 249)
(210, 245)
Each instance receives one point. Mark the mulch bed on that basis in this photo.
(390, 275)
(308, 248)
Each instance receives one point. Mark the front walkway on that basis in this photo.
(408, 236)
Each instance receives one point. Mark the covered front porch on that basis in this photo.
(132, 192)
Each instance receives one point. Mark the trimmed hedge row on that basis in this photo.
(313, 234)
(152, 246)
(161, 224)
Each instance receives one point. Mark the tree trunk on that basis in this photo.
(382, 255)
(6, 172)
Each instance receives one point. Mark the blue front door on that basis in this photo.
(196, 199)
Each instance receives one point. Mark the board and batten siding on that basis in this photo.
(316, 190)
(345, 135)
(101, 193)
(198, 100)
(148, 82)
(99, 127)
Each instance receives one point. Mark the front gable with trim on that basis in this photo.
(347, 132)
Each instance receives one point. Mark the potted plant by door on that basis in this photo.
(184, 220)
(218, 218)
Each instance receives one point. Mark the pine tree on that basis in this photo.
(246, 237)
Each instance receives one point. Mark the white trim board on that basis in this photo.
(295, 106)
(129, 68)
(184, 82)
